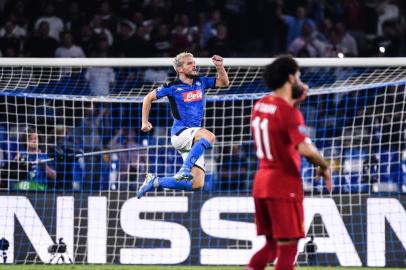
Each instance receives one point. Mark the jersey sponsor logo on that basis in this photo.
(193, 96)
(198, 83)
(179, 89)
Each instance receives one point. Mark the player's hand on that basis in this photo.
(217, 60)
(146, 126)
(303, 96)
(326, 174)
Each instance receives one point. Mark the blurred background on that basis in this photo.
(231, 28)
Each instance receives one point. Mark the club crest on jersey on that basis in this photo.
(193, 96)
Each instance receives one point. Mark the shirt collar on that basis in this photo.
(178, 81)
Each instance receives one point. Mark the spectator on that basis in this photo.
(179, 40)
(137, 18)
(10, 39)
(132, 164)
(233, 169)
(108, 19)
(103, 48)
(389, 43)
(139, 21)
(156, 9)
(165, 24)
(306, 44)
(209, 27)
(387, 11)
(66, 162)
(347, 41)
(154, 75)
(20, 14)
(183, 28)
(295, 23)
(100, 80)
(42, 45)
(68, 49)
(87, 138)
(142, 46)
(220, 43)
(124, 44)
(33, 174)
(354, 14)
(74, 19)
(99, 30)
(235, 14)
(321, 9)
(333, 47)
(190, 30)
(161, 41)
(323, 30)
(124, 8)
(11, 29)
(274, 38)
(86, 39)
(55, 23)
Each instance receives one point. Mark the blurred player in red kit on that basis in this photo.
(280, 137)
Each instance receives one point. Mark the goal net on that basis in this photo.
(73, 156)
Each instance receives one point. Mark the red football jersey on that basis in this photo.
(277, 129)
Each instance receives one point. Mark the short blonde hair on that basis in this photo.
(178, 60)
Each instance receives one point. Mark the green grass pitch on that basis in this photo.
(159, 267)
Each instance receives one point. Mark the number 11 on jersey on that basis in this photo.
(261, 137)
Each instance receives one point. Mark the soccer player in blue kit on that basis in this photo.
(186, 98)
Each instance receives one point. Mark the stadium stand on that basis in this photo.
(161, 28)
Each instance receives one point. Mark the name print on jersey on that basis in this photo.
(193, 96)
(265, 108)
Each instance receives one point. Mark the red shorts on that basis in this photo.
(280, 219)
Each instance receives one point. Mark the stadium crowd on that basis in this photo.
(162, 28)
(240, 28)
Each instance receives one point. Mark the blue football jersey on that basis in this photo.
(37, 173)
(186, 101)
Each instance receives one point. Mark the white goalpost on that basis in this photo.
(72, 157)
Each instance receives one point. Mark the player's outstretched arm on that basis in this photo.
(312, 154)
(222, 76)
(146, 107)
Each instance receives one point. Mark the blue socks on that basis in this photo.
(197, 150)
(172, 183)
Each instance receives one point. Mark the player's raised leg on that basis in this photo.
(196, 183)
(150, 183)
(203, 140)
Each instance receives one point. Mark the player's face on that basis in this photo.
(297, 86)
(33, 141)
(188, 68)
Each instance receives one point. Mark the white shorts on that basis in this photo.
(184, 142)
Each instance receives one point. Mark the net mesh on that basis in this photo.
(74, 132)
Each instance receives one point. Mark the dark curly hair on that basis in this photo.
(277, 73)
